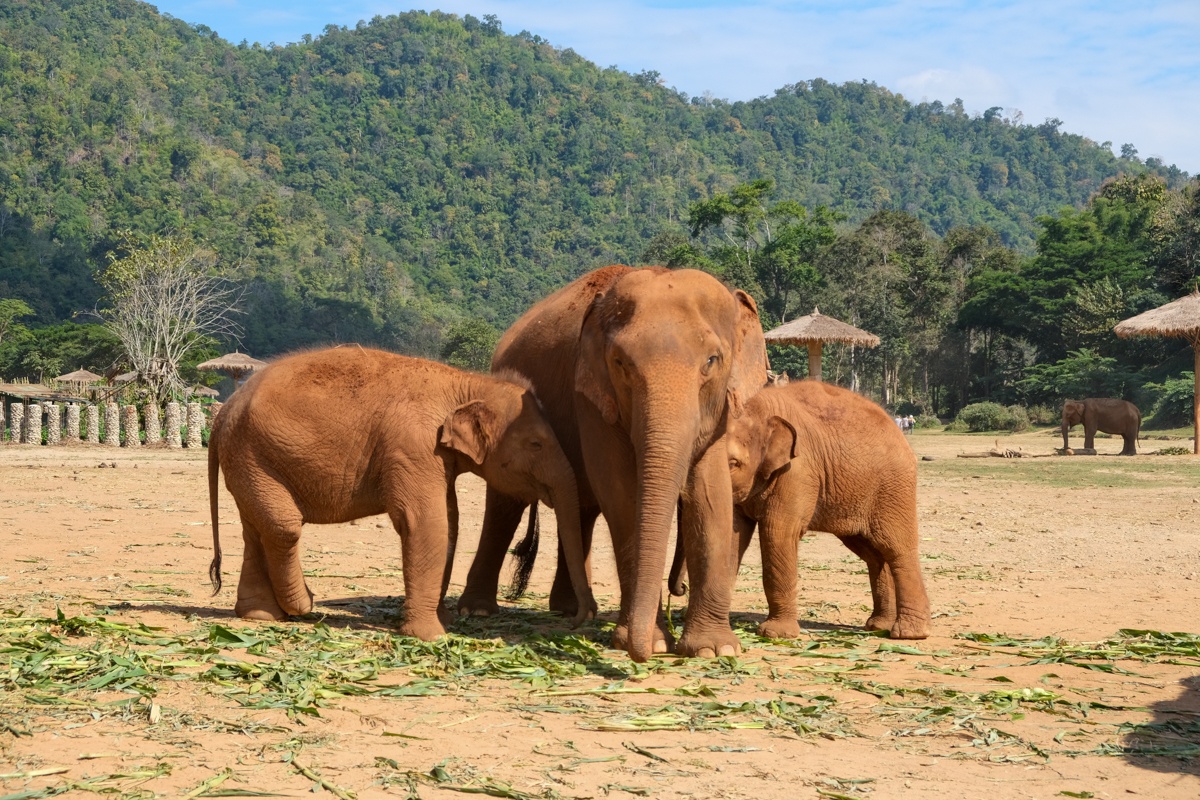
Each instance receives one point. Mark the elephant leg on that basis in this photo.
(1130, 448)
(271, 513)
(623, 526)
(255, 597)
(562, 593)
(424, 542)
(897, 546)
(1089, 436)
(451, 545)
(501, 517)
(743, 529)
(779, 534)
(883, 589)
(706, 525)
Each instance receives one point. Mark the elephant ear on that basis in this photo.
(470, 429)
(780, 446)
(749, 373)
(591, 367)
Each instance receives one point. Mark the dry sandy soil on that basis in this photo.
(1027, 689)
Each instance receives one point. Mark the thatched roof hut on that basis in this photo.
(236, 365)
(813, 330)
(80, 376)
(1179, 318)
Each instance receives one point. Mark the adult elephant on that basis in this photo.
(637, 370)
(1105, 414)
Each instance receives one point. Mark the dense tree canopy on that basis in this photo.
(423, 172)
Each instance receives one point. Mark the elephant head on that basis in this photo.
(508, 442)
(758, 450)
(665, 357)
(1072, 414)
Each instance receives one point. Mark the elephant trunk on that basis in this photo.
(564, 498)
(664, 434)
(1065, 427)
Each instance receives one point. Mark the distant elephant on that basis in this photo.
(339, 434)
(1105, 414)
(639, 370)
(811, 456)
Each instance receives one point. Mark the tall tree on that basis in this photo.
(164, 299)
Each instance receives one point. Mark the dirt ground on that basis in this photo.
(1043, 678)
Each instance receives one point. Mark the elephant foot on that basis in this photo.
(781, 628)
(473, 604)
(298, 605)
(564, 601)
(910, 626)
(880, 622)
(569, 607)
(662, 639)
(425, 628)
(708, 643)
(261, 609)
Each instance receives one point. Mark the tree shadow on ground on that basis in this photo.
(1170, 742)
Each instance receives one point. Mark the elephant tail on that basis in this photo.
(526, 553)
(214, 468)
(677, 583)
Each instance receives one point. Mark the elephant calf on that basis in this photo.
(808, 455)
(336, 435)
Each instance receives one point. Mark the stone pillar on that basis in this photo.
(72, 422)
(93, 423)
(195, 425)
(133, 431)
(153, 428)
(2, 424)
(173, 436)
(53, 424)
(16, 420)
(31, 432)
(112, 425)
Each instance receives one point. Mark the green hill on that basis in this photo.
(374, 184)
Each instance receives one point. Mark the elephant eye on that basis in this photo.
(712, 362)
(535, 444)
(734, 463)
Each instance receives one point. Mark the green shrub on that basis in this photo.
(1044, 415)
(982, 417)
(1172, 404)
(926, 421)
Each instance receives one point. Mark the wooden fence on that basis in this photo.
(54, 424)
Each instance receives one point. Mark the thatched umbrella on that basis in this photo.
(813, 331)
(125, 377)
(80, 376)
(204, 391)
(236, 365)
(1180, 318)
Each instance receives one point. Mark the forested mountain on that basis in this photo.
(375, 183)
(420, 180)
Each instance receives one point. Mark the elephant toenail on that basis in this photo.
(705, 652)
(728, 650)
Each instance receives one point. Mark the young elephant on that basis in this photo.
(336, 435)
(808, 455)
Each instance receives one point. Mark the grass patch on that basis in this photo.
(1071, 472)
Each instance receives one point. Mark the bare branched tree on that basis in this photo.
(165, 298)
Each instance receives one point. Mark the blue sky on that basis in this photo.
(1119, 72)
